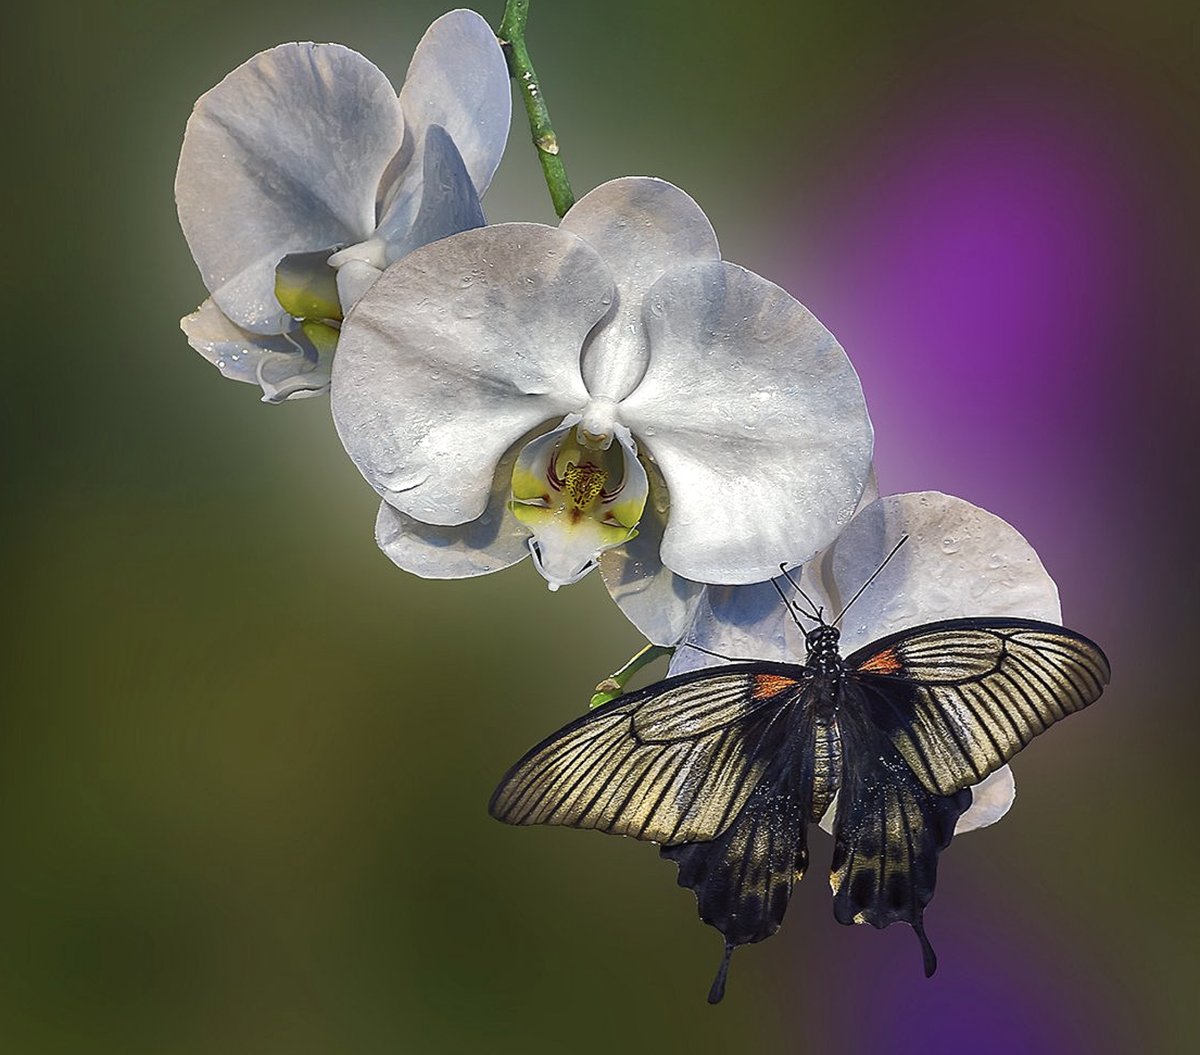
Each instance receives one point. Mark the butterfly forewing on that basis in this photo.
(958, 699)
(673, 763)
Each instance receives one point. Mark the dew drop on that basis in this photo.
(951, 544)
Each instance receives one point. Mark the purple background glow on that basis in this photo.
(244, 762)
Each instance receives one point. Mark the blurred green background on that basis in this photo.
(244, 762)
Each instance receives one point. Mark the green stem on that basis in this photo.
(612, 686)
(512, 41)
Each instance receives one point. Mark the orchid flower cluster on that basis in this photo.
(605, 394)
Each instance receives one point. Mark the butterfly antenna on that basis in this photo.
(710, 652)
(796, 586)
(717, 991)
(895, 548)
(791, 606)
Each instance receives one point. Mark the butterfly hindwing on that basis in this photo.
(743, 879)
(959, 698)
(888, 831)
(673, 763)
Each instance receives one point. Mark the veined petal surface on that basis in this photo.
(641, 227)
(283, 156)
(457, 351)
(756, 419)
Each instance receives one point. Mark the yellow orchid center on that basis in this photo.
(576, 501)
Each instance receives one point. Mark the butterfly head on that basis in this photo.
(822, 642)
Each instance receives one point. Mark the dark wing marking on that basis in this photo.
(959, 698)
(743, 878)
(888, 831)
(673, 763)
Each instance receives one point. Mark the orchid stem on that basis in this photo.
(612, 686)
(512, 41)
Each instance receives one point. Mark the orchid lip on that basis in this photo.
(576, 501)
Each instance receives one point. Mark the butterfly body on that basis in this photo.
(726, 767)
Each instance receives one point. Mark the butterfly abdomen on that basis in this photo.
(827, 766)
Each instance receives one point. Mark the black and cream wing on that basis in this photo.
(959, 698)
(673, 763)
(743, 878)
(889, 828)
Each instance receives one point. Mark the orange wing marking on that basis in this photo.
(768, 685)
(885, 662)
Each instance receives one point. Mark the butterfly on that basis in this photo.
(725, 767)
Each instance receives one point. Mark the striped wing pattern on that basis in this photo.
(958, 699)
(743, 879)
(673, 763)
(888, 834)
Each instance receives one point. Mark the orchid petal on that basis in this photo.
(354, 278)
(750, 622)
(661, 604)
(991, 799)
(959, 561)
(457, 351)
(741, 623)
(285, 366)
(283, 156)
(491, 542)
(767, 454)
(448, 200)
(458, 79)
(641, 227)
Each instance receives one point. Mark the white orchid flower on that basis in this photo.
(303, 175)
(960, 561)
(567, 391)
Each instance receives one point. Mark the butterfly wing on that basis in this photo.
(743, 878)
(674, 763)
(701, 763)
(888, 831)
(959, 698)
(925, 714)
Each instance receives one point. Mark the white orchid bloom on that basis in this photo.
(960, 561)
(568, 391)
(303, 175)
